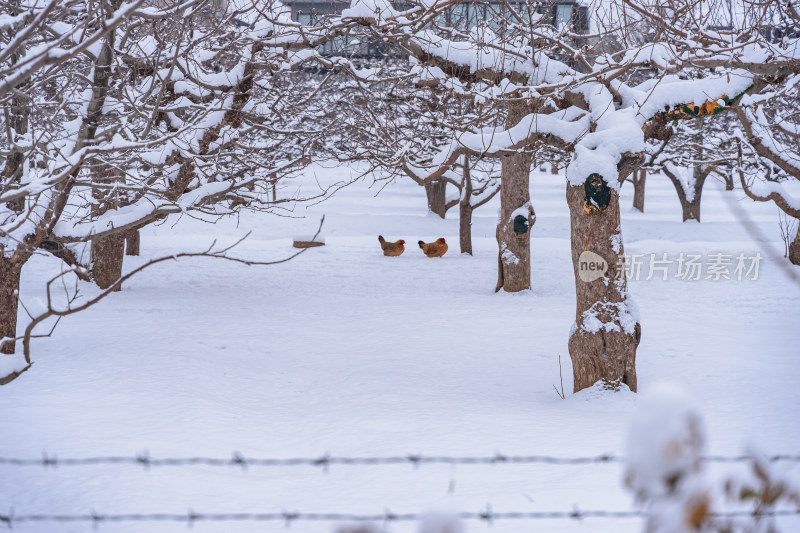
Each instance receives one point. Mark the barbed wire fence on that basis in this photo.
(326, 461)
(288, 517)
(51, 461)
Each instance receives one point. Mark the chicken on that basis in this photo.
(392, 249)
(434, 249)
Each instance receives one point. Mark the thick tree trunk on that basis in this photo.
(107, 256)
(637, 178)
(606, 332)
(794, 248)
(9, 290)
(514, 247)
(436, 193)
(132, 241)
(690, 208)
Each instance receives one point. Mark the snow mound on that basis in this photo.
(602, 392)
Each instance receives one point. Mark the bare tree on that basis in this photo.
(179, 109)
(767, 154)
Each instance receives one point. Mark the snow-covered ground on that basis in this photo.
(345, 351)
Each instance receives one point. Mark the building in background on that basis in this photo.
(561, 14)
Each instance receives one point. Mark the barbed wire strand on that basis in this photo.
(326, 461)
(288, 517)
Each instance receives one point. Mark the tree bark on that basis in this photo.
(794, 248)
(436, 193)
(638, 178)
(132, 242)
(606, 333)
(10, 271)
(465, 227)
(514, 249)
(107, 257)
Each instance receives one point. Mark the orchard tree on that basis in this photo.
(40, 45)
(586, 101)
(767, 156)
(402, 125)
(119, 115)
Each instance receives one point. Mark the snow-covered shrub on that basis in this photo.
(763, 490)
(666, 441)
(664, 470)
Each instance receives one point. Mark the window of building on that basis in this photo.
(563, 16)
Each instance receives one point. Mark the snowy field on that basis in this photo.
(347, 352)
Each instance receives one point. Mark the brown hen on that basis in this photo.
(434, 249)
(392, 249)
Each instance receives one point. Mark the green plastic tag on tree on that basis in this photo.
(598, 194)
(520, 225)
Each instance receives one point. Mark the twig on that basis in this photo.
(560, 394)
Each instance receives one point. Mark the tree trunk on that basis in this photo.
(107, 256)
(690, 209)
(132, 241)
(17, 126)
(9, 292)
(729, 182)
(465, 211)
(436, 193)
(606, 333)
(514, 247)
(794, 248)
(465, 226)
(637, 178)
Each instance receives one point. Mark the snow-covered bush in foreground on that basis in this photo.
(664, 470)
(666, 442)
